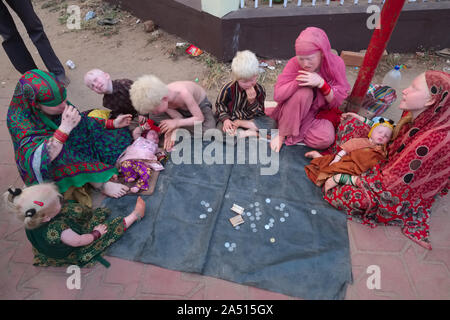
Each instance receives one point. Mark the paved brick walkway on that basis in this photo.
(407, 270)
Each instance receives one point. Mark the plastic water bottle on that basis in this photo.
(393, 78)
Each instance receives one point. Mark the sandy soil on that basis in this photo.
(125, 50)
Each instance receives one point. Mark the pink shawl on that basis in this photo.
(332, 70)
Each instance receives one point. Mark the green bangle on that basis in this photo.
(344, 178)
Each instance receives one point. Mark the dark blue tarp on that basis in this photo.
(296, 245)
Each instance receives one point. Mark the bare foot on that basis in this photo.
(313, 154)
(277, 143)
(137, 214)
(134, 189)
(330, 183)
(139, 209)
(114, 178)
(114, 190)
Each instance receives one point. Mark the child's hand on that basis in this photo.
(137, 132)
(169, 140)
(122, 121)
(336, 159)
(101, 228)
(228, 126)
(251, 94)
(142, 119)
(237, 123)
(168, 125)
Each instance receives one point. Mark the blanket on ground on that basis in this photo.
(291, 241)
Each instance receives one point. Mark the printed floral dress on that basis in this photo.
(49, 250)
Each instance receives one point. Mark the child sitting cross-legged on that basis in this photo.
(240, 103)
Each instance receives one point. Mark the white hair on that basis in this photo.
(245, 65)
(147, 92)
(40, 198)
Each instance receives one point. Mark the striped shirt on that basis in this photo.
(232, 103)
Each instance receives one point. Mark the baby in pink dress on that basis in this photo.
(141, 157)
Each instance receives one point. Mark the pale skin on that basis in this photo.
(307, 77)
(229, 126)
(416, 99)
(152, 136)
(381, 135)
(182, 95)
(69, 120)
(100, 82)
(73, 239)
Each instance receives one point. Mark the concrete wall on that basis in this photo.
(271, 32)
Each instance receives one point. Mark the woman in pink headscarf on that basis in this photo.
(309, 92)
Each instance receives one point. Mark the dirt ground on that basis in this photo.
(125, 50)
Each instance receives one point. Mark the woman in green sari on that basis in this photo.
(53, 141)
(68, 234)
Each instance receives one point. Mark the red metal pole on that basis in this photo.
(380, 37)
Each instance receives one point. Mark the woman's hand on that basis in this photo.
(348, 115)
(309, 79)
(168, 125)
(101, 228)
(122, 121)
(70, 119)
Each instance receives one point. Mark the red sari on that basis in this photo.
(402, 190)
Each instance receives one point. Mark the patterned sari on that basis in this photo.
(402, 190)
(88, 155)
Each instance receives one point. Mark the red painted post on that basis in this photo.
(380, 37)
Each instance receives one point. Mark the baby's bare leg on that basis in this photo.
(313, 154)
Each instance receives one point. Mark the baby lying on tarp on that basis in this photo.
(141, 157)
(356, 156)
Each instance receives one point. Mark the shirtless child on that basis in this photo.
(179, 104)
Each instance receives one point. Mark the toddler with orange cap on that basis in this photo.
(356, 156)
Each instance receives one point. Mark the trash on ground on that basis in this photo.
(107, 22)
(194, 51)
(70, 64)
(90, 15)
